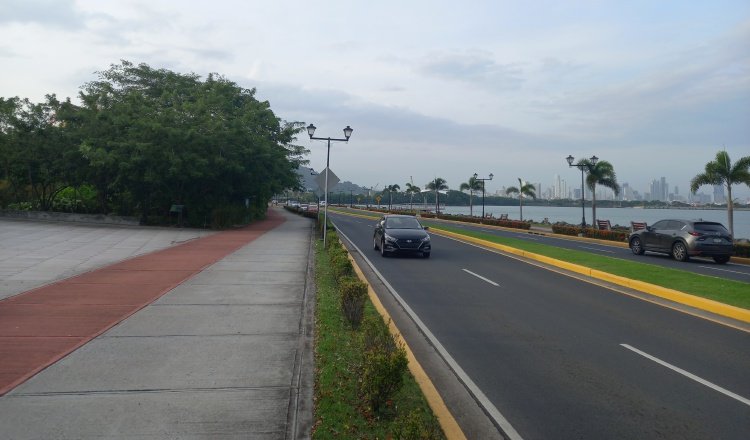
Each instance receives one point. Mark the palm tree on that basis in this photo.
(472, 185)
(599, 173)
(391, 189)
(437, 185)
(524, 189)
(721, 172)
(411, 190)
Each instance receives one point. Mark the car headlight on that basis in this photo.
(389, 238)
(426, 238)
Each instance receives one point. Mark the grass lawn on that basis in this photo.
(339, 411)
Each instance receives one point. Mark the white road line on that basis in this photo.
(596, 249)
(480, 397)
(725, 270)
(481, 277)
(526, 237)
(689, 375)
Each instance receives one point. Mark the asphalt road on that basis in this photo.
(560, 357)
(703, 266)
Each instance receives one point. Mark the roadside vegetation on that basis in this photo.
(142, 140)
(363, 388)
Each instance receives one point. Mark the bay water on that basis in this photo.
(616, 216)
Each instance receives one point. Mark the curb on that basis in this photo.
(707, 305)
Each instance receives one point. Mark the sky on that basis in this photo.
(434, 88)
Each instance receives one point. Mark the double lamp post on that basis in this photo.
(582, 167)
(476, 177)
(347, 134)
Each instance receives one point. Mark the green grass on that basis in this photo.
(339, 412)
(731, 292)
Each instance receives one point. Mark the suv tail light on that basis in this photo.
(695, 234)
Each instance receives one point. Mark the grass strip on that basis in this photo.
(730, 292)
(339, 411)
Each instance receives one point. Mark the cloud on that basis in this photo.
(473, 67)
(55, 13)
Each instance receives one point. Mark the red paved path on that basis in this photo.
(41, 326)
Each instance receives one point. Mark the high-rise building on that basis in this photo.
(719, 194)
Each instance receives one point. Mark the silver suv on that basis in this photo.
(684, 238)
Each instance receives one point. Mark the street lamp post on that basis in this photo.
(476, 177)
(347, 134)
(581, 167)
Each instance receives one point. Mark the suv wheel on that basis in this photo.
(636, 246)
(374, 243)
(383, 253)
(721, 259)
(679, 251)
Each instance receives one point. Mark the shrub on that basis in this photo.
(353, 297)
(341, 266)
(384, 363)
(742, 250)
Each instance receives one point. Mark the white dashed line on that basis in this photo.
(481, 277)
(689, 375)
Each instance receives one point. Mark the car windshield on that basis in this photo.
(402, 223)
(711, 227)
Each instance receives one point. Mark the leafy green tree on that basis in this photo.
(411, 190)
(437, 185)
(599, 173)
(524, 189)
(721, 171)
(390, 189)
(472, 185)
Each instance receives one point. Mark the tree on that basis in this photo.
(391, 189)
(411, 190)
(599, 173)
(472, 185)
(721, 172)
(437, 185)
(524, 189)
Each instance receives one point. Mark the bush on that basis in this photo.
(384, 363)
(742, 250)
(341, 266)
(353, 297)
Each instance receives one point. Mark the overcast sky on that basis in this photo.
(434, 88)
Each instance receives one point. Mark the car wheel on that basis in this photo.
(383, 253)
(679, 251)
(374, 243)
(636, 246)
(721, 259)
(425, 255)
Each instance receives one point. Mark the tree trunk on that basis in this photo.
(471, 203)
(520, 204)
(593, 208)
(730, 210)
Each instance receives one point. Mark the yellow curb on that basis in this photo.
(447, 422)
(708, 305)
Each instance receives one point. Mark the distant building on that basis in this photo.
(719, 194)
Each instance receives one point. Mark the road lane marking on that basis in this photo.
(596, 249)
(481, 277)
(689, 375)
(725, 270)
(483, 401)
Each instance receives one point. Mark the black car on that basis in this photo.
(684, 238)
(401, 234)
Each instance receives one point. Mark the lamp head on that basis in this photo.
(311, 130)
(594, 160)
(348, 132)
(476, 175)
(491, 176)
(570, 160)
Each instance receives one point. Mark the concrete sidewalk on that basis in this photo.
(225, 354)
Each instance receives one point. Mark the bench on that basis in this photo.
(503, 216)
(637, 226)
(604, 225)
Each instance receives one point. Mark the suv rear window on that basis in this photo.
(710, 227)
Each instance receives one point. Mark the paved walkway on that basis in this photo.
(224, 352)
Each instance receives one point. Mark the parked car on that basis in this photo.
(401, 234)
(683, 239)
